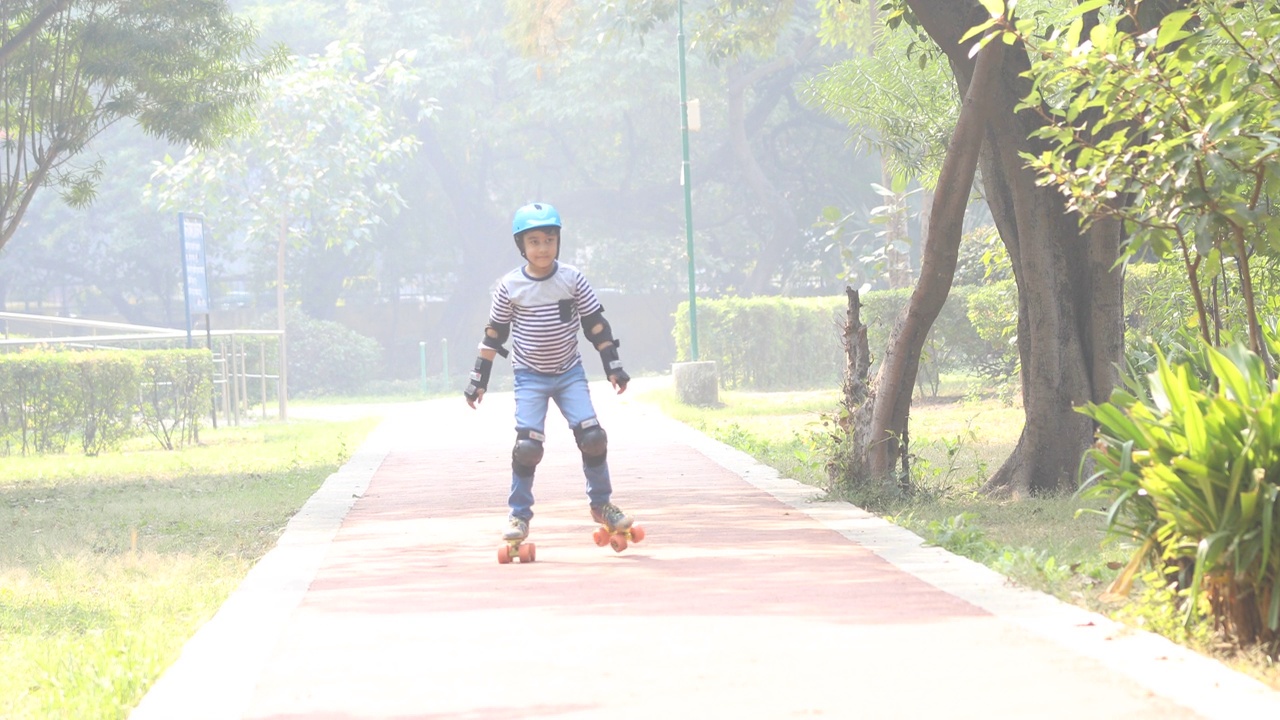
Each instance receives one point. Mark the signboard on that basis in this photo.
(195, 280)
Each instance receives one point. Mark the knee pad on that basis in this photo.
(592, 441)
(527, 452)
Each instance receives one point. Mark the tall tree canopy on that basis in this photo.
(184, 70)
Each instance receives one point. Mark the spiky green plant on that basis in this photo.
(1192, 474)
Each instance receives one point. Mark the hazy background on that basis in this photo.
(417, 128)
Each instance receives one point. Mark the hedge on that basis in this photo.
(785, 343)
(97, 399)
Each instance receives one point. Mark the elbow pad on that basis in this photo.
(495, 334)
(595, 336)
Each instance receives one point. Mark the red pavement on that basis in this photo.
(745, 600)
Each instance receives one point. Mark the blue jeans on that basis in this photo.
(569, 390)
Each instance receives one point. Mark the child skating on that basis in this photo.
(540, 307)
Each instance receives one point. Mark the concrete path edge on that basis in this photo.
(233, 647)
(1162, 666)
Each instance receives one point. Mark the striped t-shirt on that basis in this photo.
(545, 314)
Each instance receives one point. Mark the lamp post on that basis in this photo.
(688, 190)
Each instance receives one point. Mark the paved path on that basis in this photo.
(747, 599)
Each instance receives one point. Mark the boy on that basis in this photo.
(540, 306)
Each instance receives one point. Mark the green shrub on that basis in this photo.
(768, 343)
(106, 393)
(779, 343)
(50, 399)
(37, 402)
(175, 394)
(993, 315)
(1192, 475)
(327, 358)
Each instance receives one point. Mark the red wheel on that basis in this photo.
(504, 554)
(618, 543)
(601, 537)
(528, 552)
(637, 533)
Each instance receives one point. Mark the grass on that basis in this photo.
(108, 564)
(1045, 543)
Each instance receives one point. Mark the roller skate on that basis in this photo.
(616, 527)
(514, 545)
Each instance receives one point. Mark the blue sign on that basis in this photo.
(195, 280)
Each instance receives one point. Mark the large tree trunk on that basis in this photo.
(897, 374)
(1070, 312)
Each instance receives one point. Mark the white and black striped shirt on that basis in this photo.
(545, 314)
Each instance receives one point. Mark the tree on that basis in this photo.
(314, 159)
(1070, 314)
(1172, 131)
(184, 71)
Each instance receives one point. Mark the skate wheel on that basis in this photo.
(527, 552)
(601, 537)
(618, 543)
(504, 554)
(637, 533)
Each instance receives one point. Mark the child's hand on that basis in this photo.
(619, 381)
(478, 382)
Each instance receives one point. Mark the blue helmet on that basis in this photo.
(534, 215)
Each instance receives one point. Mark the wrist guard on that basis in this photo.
(479, 378)
(613, 366)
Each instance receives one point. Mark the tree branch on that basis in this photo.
(32, 27)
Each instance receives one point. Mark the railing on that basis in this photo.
(233, 370)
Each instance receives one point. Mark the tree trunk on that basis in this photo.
(897, 376)
(1070, 300)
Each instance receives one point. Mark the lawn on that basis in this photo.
(108, 564)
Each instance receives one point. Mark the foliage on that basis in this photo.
(184, 71)
(905, 111)
(325, 133)
(1192, 475)
(176, 388)
(768, 343)
(101, 398)
(993, 314)
(772, 343)
(107, 390)
(982, 258)
(327, 358)
(1171, 129)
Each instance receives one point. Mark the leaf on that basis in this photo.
(1086, 7)
(994, 7)
(1171, 27)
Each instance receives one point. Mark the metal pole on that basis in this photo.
(688, 192)
(422, 364)
(186, 282)
(282, 371)
(262, 373)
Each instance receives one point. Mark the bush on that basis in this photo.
(1192, 475)
(328, 358)
(176, 386)
(993, 315)
(50, 399)
(779, 343)
(106, 393)
(768, 343)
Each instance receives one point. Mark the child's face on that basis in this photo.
(540, 248)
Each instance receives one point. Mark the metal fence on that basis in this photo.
(243, 371)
